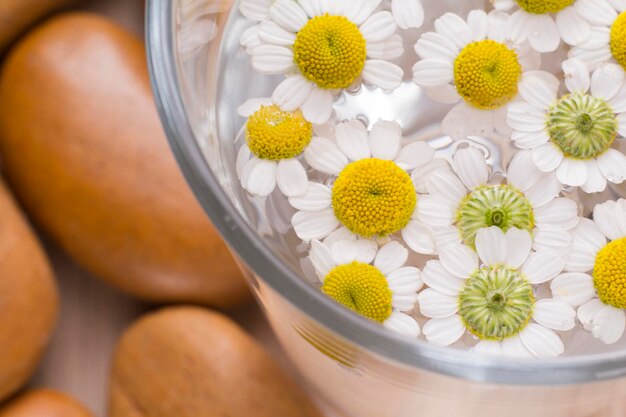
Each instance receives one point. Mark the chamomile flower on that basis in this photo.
(573, 134)
(471, 62)
(596, 277)
(274, 141)
(491, 295)
(462, 202)
(371, 194)
(608, 33)
(370, 281)
(408, 13)
(544, 23)
(322, 47)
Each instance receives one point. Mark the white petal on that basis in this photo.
(250, 38)
(378, 27)
(491, 245)
(479, 24)
(498, 26)
(445, 94)
(503, 5)
(471, 167)
(541, 267)
(318, 197)
(459, 260)
(408, 13)
(414, 155)
(514, 348)
(537, 90)
(606, 81)
(573, 28)
(243, 156)
(464, 120)
(382, 74)
(405, 281)
(323, 155)
(544, 190)
(572, 172)
(455, 29)
(360, 250)
(530, 140)
(444, 332)
(338, 235)
(391, 257)
(561, 212)
(621, 124)
(322, 259)
(588, 311)
(385, 140)
(445, 184)
(261, 178)
(434, 45)
(547, 157)
(311, 7)
(592, 57)
(271, 32)
(525, 117)
(310, 225)
(522, 172)
(519, 27)
(574, 288)
(388, 49)
(352, 139)
(402, 324)
(576, 74)
(272, 59)
(435, 211)
(432, 72)
(597, 12)
(249, 107)
(318, 106)
(488, 347)
(292, 93)
(604, 218)
(255, 9)
(288, 14)
(358, 11)
(541, 342)
(618, 102)
(552, 239)
(436, 277)
(291, 178)
(555, 314)
(421, 174)
(619, 5)
(419, 238)
(436, 305)
(608, 324)
(446, 235)
(613, 165)
(543, 33)
(518, 244)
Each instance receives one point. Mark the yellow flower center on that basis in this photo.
(618, 39)
(360, 287)
(274, 134)
(496, 302)
(374, 197)
(544, 6)
(486, 74)
(582, 126)
(330, 51)
(609, 273)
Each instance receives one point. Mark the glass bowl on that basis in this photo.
(352, 366)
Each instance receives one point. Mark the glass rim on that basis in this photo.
(164, 76)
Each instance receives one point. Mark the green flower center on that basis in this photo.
(274, 134)
(618, 39)
(609, 273)
(496, 302)
(373, 197)
(330, 51)
(486, 74)
(360, 287)
(544, 6)
(582, 126)
(493, 205)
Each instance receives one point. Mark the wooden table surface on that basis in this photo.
(93, 315)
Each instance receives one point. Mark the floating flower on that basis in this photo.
(462, 203)
(573, 134)
(608, 32)
(322, 47)
(408, 13)
(544, 23)
(596, 277)
(370, 281)
(372, 194)
(494, 299)
(471, 62)
(274, 141)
